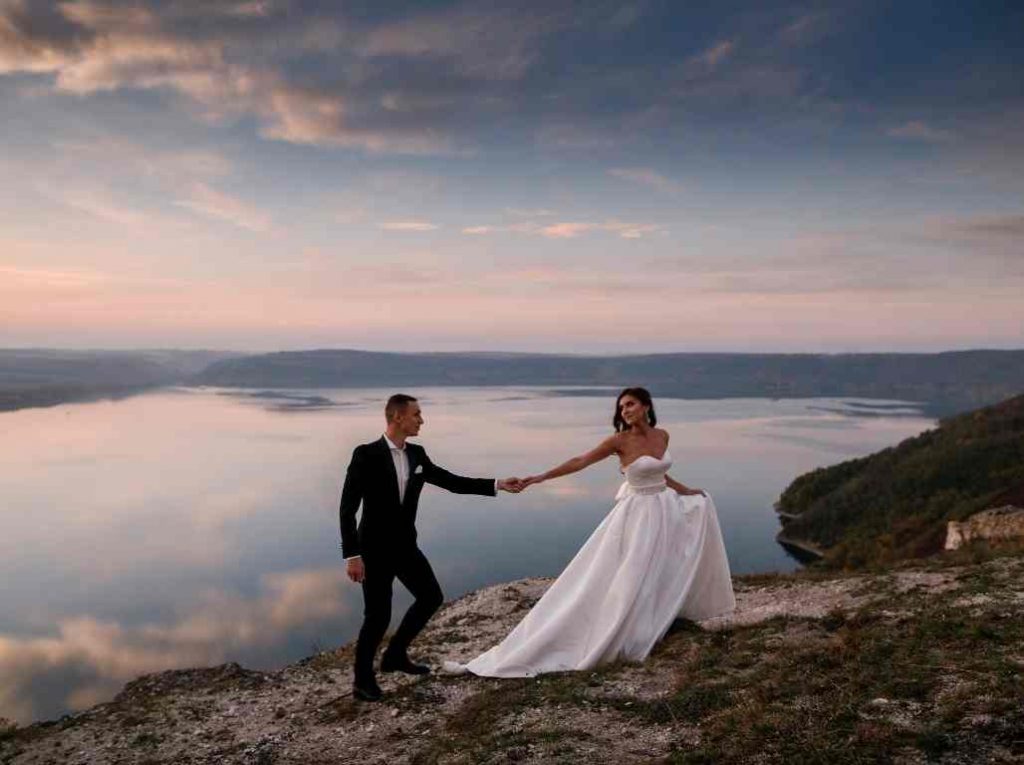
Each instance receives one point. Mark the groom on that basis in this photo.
(387, 476)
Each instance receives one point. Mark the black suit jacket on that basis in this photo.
(387, 524)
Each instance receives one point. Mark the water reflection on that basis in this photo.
(190, 527)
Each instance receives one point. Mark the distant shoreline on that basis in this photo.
(935, 385)
(17, 399)
(13, 400)
(805, 552)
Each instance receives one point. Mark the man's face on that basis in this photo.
(410, 419)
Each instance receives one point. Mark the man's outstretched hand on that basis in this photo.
(511, 485)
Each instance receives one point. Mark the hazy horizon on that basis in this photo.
(497, 351)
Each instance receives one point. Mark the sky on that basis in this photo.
(588, 177)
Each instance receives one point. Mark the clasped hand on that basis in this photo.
(516, 485)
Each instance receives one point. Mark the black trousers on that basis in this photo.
(411, 568)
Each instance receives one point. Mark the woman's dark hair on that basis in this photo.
(641, 395)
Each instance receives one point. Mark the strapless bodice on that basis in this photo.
(646, 474)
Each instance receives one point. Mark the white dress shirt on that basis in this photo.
(401, 460)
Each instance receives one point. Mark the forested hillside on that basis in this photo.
(895, 504)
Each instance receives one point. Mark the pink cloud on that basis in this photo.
(711, 57)
(916, 129)
(211, 203)
(573, 229)
(568, 230)
(647, 177)
(409, 225)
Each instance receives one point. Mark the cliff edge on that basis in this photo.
(920, 663)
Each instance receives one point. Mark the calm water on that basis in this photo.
(191, 527)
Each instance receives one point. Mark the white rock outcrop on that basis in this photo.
(999, 524)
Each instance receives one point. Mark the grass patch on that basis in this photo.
(852, 689)
(338, 658)
(690, 705)
(474, 730)
(450, 637)
(145, 740)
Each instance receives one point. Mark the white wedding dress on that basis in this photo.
(655, 557)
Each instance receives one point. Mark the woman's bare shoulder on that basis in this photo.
(615, 440)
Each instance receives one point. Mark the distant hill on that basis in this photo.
(946, 382)
(895, 504)
(44, 377)
(941, 383)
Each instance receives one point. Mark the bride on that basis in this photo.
(656, 556)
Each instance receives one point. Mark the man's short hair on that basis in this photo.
(396, 405)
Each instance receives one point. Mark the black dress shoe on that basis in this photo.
(367, 690)
(390, 663)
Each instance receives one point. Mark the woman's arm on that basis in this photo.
(606, 448)
(680, 488)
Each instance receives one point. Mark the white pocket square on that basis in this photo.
(418, 470)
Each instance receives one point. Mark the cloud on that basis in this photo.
(481, 40)
(576, 134)
(215, 204)
(130, 48)
(523, 213)
(525, 227)
(921, 131)
(411, 83)
(409, 225)
(52, 279)
(568, 229)
(994, 243)
(807, 29)
(104, 46)
(994, 226)
(757, 68)
(175, 166)
(248, 8)
(127, 184)
(711, 58)
(318, 116)
(90, 659)
(573, 229)
(647, 177)
(36, 37)
(96, 202)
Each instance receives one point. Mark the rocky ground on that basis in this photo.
(924, 663)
